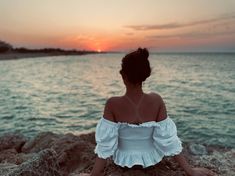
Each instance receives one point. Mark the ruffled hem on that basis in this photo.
(145, 159)
(103, 155)
(129, 159)
(176, 151)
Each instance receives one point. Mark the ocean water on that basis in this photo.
(67, 93)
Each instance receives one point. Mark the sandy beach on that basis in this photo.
(69, 155)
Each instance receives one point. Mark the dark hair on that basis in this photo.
(136, 67)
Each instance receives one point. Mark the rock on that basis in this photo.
(73, 153)
(13, 157)
(8, 156)
(50, 154)
(222, 162)
(42, 141)
(6, 168)
(45, 163)
(12, 141)
(197, 149)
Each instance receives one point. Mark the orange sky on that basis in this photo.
(160, 25)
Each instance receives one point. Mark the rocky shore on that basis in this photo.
(50, 154)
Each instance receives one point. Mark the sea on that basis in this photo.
(66, 94)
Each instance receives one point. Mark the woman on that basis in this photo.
(135, 129)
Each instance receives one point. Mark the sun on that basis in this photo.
(98, 50)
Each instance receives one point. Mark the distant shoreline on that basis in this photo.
(17, 55)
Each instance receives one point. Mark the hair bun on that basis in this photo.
(136, 66)
(143, 53)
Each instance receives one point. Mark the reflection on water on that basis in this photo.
(67, 93)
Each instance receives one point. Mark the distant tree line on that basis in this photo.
(52, 50)
(6, 47)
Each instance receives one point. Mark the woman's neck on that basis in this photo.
(134, 90)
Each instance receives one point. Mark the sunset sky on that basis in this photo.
(120, 25)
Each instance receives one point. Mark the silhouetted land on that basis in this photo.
(8, 52)
(27, 53)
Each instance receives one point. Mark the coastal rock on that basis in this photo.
(13, 157)
(221, 161)
(73, 152)
(52, 154)
(42, 141)
(197, 149)
(6, 168)
(12, 141)
(45, 163)
(8, 156)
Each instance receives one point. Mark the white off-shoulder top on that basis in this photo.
(129, 144)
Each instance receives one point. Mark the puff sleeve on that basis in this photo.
(166, 141)
(106, 137)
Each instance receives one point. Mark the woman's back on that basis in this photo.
(135, 110)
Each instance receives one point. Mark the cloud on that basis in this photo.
(129, 33)
(179, 25)
(193, 35)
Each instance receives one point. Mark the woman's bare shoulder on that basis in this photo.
(114, 101)
(155, 96)
(109, 109)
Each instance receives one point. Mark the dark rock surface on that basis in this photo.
(42, 164)
(12, 141)
(50, 154)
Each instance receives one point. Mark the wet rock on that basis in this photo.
(197, 149)
(12, 141)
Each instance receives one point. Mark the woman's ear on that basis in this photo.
(124, 77)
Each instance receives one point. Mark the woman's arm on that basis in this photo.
(189, 170)
(98, 167)
(162, 114)
(100, 162)
(183, 163)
